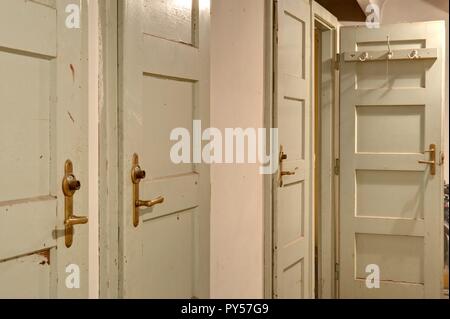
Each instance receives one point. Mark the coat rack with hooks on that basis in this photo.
(412, 54)
(389, 54)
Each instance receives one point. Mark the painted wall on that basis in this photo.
(237, 88)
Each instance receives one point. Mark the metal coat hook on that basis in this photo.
(390, 52)
(414, 55)
(364, 57)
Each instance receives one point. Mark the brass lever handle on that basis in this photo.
(432, 161)
(70, 186)
(150, 203)
(427, 162)
(284, 173)
(283, 157)
(137, 175)
(75, 220)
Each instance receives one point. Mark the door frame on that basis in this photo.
(93, 150)
(108, 150)
(268, 182)
(318, 13)
(329, 165)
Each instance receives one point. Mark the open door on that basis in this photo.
(43, 123)
(391, 210)
(293, 257)
(164, 85)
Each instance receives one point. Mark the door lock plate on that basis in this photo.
(137, 175)
(432, 162)
(70, 185)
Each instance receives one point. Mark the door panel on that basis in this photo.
(164, 81)
(172, 20)
(390, 204)
(292, 214)
(33, 73)
(43, 122)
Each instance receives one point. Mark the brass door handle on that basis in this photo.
(150, 203)
(427, 162)
(70, 186)
(284, 173)
(432, 161)
(137, 175)
(283, 157)
(75, 220)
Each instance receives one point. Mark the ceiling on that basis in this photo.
(344, 10)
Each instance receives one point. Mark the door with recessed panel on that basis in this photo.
(293, 255)
(391, 210)
(164, 85)
(43, 124)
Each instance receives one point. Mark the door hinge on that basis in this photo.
(275, 21)
(337, 167)
(337, 270)
(337, 61)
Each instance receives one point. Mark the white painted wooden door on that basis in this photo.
(43, 122)
(293, 268)
(164, 84)
(391, 211)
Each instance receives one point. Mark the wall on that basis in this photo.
(398, 11)
(237, 96)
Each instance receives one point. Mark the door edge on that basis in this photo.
(108, 150)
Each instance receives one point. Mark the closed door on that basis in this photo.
(43, 123)
(391, 210)
(293, 271)
(164, 85)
